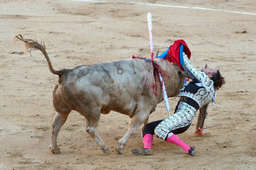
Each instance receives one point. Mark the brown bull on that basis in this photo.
(129, 87)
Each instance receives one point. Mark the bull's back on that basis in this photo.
(112, 86)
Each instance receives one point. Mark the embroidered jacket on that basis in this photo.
(201, 89)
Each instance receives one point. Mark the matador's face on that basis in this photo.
(208, 71)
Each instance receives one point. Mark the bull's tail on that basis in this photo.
(31, 44)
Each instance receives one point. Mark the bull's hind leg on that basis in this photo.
(58, 122)
(60, 118)
(92, 120)
(91, 129)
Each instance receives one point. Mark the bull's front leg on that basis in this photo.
(136, 121)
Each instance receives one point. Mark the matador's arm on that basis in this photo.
(193, 73)
(201, 118)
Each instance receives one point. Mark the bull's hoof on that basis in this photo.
(142, 151)
(106, 151)
(120, 149)
(55, 150)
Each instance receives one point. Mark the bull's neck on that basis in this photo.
(171, 74)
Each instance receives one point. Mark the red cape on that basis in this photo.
(174, 52)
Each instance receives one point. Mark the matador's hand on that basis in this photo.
(199, 131)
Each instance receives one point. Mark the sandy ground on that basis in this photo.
(87, 33)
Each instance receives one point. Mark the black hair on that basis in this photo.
(218, 79)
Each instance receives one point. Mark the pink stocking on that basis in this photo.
(177, 141)
(148, 139)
